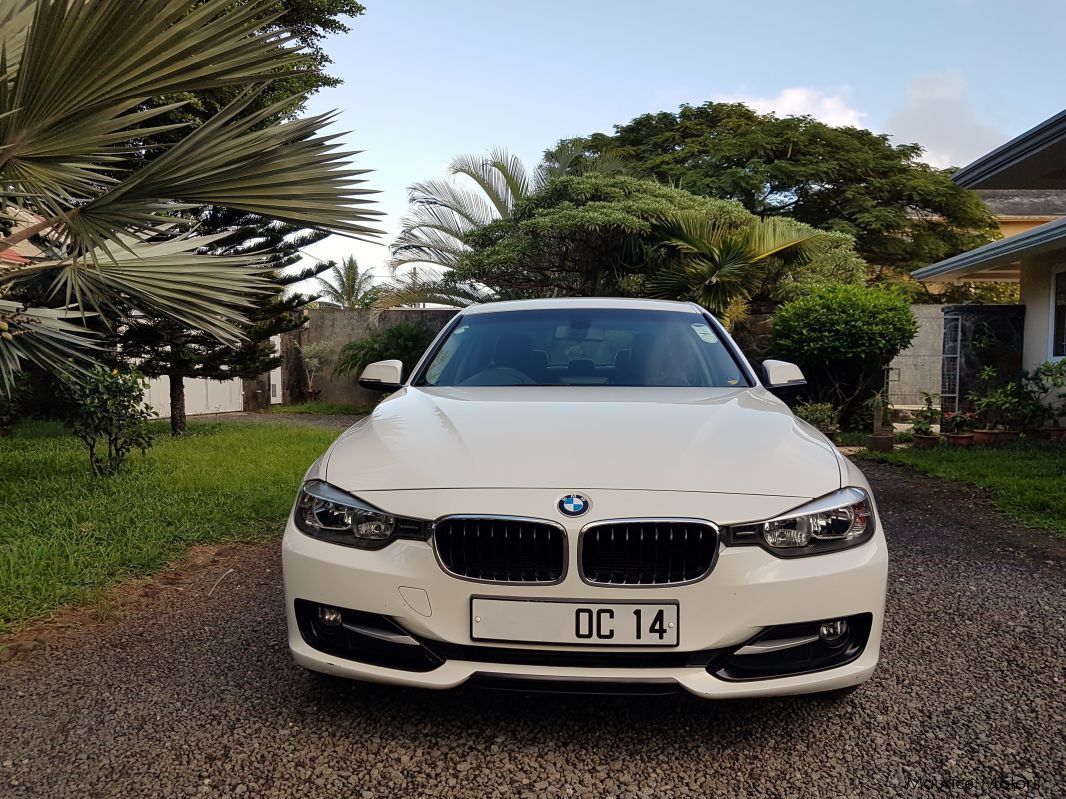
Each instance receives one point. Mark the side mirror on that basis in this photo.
(782, 374)
(382, 376)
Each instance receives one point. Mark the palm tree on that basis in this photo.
(81, 232)
(720, 265)
(344, 286)
(443, 211)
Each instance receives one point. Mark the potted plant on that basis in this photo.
(957, 427)
(822, 415)
(987, 407)
(882, 438)
(924, 436)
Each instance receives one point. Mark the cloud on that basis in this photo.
(938, 115)
(833, 109)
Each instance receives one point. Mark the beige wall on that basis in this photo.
(1036, 296)
(1012, 226)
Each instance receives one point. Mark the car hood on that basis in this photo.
(735, 441)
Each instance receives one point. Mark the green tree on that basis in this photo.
(73, 133)
(844, 337)
(598, 234)
(344, 286)
(163, 347)
(901, 212)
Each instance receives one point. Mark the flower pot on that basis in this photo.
(985, 436)
(922, 441)
(960, 439)
(1009, 435)
(881, 443)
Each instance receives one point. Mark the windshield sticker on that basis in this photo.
(705, 333)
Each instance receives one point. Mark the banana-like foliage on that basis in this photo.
(76, 78)
(720, 265)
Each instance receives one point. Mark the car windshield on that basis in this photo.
(584, 347)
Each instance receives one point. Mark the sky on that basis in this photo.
(426, 80)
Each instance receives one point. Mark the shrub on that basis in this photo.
(843, 337)
(405, 342)
(109, 406)
(820, 414)
(12, 407)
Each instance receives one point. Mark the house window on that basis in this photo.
(1058, 315)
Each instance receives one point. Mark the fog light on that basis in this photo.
(833, 633)
(331, 617)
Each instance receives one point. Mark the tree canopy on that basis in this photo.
(901, 212)
(599, 234)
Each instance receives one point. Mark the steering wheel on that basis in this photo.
(499, 376)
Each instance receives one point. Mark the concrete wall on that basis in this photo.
(918, 368)
(336, 327)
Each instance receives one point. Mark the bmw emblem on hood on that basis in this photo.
(574, 505)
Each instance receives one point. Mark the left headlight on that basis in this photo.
(325, 512)
(836, 521)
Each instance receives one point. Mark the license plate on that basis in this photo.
(574, 623)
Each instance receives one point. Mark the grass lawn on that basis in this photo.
(1027, 478)
(319, 408)
(66, 537)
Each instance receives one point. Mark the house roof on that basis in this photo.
(998, 260)
(1025, 203)
(1034, 160)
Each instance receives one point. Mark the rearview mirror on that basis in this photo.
(782, 374)
(382, 376)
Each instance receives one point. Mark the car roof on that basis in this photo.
(583, 302)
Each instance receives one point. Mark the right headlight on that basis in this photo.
(326, 512)
(836, 521)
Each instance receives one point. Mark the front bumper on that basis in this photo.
(748, 591)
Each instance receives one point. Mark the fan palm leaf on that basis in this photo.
(75, 80)
(719, 265)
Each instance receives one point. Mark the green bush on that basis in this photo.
(843, 337)
(109, 408)
(820, 414)
(405, 342)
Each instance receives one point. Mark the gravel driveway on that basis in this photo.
(186, 689)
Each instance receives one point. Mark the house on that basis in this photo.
(1031, 164)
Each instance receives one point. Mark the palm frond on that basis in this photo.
(15, 19)
(86, 64)
(430, 288)
(207, 292)
(47, 337)
(283, 171)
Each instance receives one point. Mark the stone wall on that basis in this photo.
(336, 327)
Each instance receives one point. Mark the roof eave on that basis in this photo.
(1048, 237)
(977, 174)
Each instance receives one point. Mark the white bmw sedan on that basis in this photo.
(586, 494)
